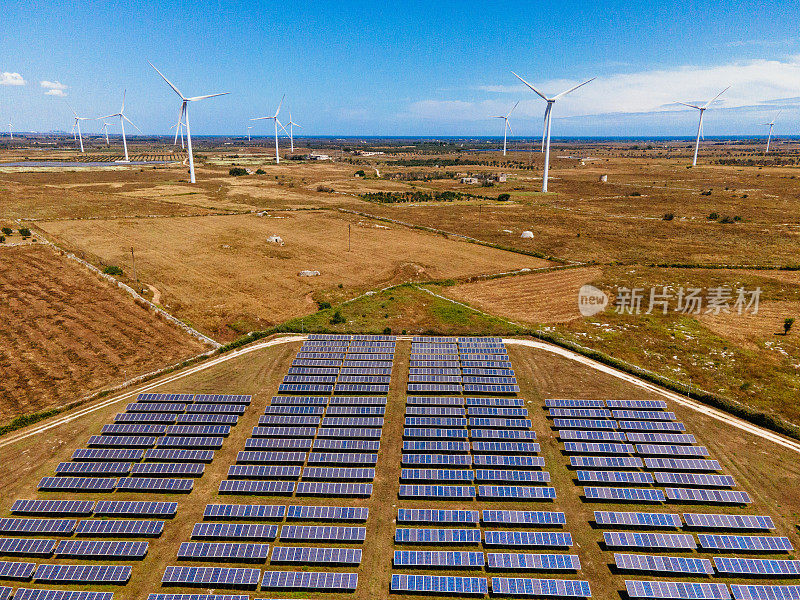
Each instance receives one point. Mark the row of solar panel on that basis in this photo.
(466, 388)
(690, 495)
(660, 477)
(565, 423)
(516, 517)
(141, 441)
(93, 549)
(295, 471)
(477, 586)
(673, 520)
(679, 590)
(316, 458)
(434, 433)
(479, 460)
(277, 512)
(445, 492)
(175, 418)
(622, 404)
(304, 488)
(125, 468)
(195, 398)
(23, 525)
(174, 407)
(478, 447)
(109, 484)
(605, 413)
(249, 577)
(339, 401)
(133, 454)
(65, 573)
(685, 541)
(724, 565)
(493, 560)
(490, 538)
(470, 401)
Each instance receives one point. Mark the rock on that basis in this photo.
(603, 178)
(308, 273)
(527, 235)
(275, 239)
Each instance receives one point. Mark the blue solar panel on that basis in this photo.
(190, 442)
(681, 464)
(584, 424)
(291, 432)
(494, 422)
(113, 454)
(324, 488)
(336, 473)
(506, 447)
(53, 507)
(614, 477)
(710, 496)
(437, 536)
(247, 486)
(348, 432)
(155, 484)
(502, 403)
(427, 515)
(264, 471)
(435, 401)
(40, 526)
(18, 570)
(505, 475)
(701, 479)
(137, 417)
(93, 468)
(176, 455)
(766, 592)
(747, 543)
(569, 403)
(716, 521)
(295, 420)
(606, 462)
(328, 513)
(118, 574)
(499, 460)
(352, 422)
(244, 511)
(117, 508)
(586, 413)
(591, 436)
(148, 407)
(532, 562)
(623, 494)
(278, 443)
(26, 547)
(661, 541)
(663, 564)
(134, 429)
(40, 594)
(437, 558)
(438, 446)
(436, 411)
(124, 441)
(637, 519)
(661, 438)
(516, 491)
(528, 538)
(312, 580)
(258, 456)
(222, 399)
(323, 533)
(234, 531)
(757, 566)
(306, 555)
(207, 419)
(517, 586)
(223, 551)
(638, 404)
(446, 422)
(97, 549)
(127, 528)
(454, 460)
(442, 492)
(184, 430)
(211, 576)
(197, 597)
(378, 411)
(644, 415)
(411, 432)
(174, 469)
(677, 590)
(597, 448)
(652, 425)
(524, 517)
(436, 475)
(342, 458)
(441, 584)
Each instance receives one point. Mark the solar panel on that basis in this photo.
(623, 494)
(661, 438)
(295, 420)
(435, 401)
(505, 475)
(528, 538)
(593, 436)
(748, 543)
(40, 526)
(338, 473)
(597, 448)
(278, 443)
(663, 564)
(427, 388)
(715, 521)
(116, 508)
(148, 407)
(506, 447)
(264, 471)
(83, 484)
(207, 419)
(637, 519)
(234, 531)
(757, 566)
(134, 429)
(437, 558)
(18, 570)
(97, 549)
(324, 488)
(165, 397)
(137, 417)
(677, 590)
(614, 477)
(644, 415)
(311, 580)
(652, 425)
(491, 388)
(584, 424)
(403, 535)
(224, 551)
(681, 464)
(495, 411)
(357, 401)
(258, 456)
(349, 432)
(443, 584)
(588, 413)
(445, 422)
(185, 430)
(83, 573)
(454, 460)
(40, 594)
(173, 469)
(208, 576)
(532, 562)
(290, 432)
(523, 517)
(305, 388)
(436, 475)
(248, 486)
(638, 404)
(516, 491)
(26, 547)
(518, 586)
(53, 507)
(702, 479)
(569, 403)
(499, 460)
(606, 462)
(222, 399)
(323, 533)
(342, 458)
(492, 424)
(436, 411)
(442, 492)
(306, 555)
(427, 515)
(244, 511)
(114, 454)
(190, 442)
(356, 410)
(352, 422)
(197, 597)
(124, 441)
(176, 455)
(765, 592)
(155, 484)
(328, 513)
(661, 541)
(510, 407)
(126, 528)
(710, 496)
(437, 446)
(412, 432)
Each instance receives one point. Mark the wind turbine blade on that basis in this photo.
(106, 117)
(169, 83)
(282, 127)
(707, 104)
(497, 117)
(296, 125)
(261, 118)
(73, 110)
(279, 108)
(196, 98)
(512, 109)
(122, 110)
(132, 123)
(689, 105)
(509, 126)
(574, 88)
(543, 97)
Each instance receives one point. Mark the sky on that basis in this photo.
(404, 68)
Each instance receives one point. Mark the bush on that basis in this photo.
(338, 318)
(726, 219)
(737, 218)
(360, 173)
(787, 325)
(503, 197)
(323, 305)
(7, 230)
(635, 194)
(325, 189)
(387, 331)
(706, 193)
(713, 216)
(113, 270)
(237, 171)
(668, 217)
(2, 239)
(260, 172)
(24, 232)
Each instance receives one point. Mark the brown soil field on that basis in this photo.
(761, 468)
(549, 297)
(217, 270)
(65, 333)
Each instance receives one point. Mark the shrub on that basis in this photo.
(706, 193)
(787, 325)
(7, 230)
(360, 173)
(325, 189)
(668, 217)
(237, 171)
(387, 331)
(338, 318)
(713, 216)
(2, 239)
(737, 218)
(323, 305)
(503, 197)
(24, 232)
(726, 219)
(260, 172)
(635, 194)
(113, 270)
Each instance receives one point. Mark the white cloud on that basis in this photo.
(55, 92)
(11, 79)
(54, 88)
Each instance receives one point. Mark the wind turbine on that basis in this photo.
(105, 130)
(184, 112)
(547, 117)
(10, 130)
(77, 124)
(122, 119)
(277, 122)
(506, 126)
(249, 127)
(292, 125)
(178, 127)
(702, 110)
(771, 125)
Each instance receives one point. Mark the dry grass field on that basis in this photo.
(65, 333)
(763, 469)
(218, 271)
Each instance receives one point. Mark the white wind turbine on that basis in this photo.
(10, 130)
(547, 118)
(105, 130)
(178, 127)
(507, 125)
(771, 125)
(184, 114)
(702, 110)
(77, 124)
(122, 119)
(292, 125)
(249, 127)
(277, 122)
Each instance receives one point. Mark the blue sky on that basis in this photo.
(404, 68)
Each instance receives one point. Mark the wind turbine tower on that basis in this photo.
(547, 118)
(122, 119)
(277, 122)
(292, 125)
(506, 125)
(702, 110)
(771, 125)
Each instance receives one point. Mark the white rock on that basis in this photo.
(308, 273)
(527, 235)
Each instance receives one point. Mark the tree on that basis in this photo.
(7, 230)
(787, 325)
(24, 232)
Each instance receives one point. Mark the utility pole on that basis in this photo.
(348, 236)
(133, 259)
